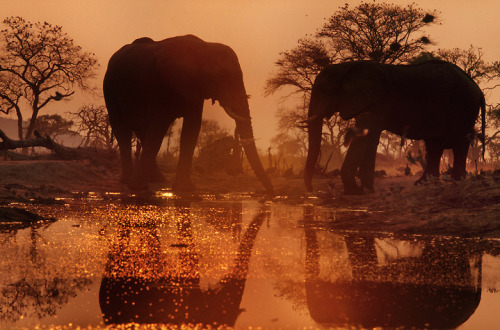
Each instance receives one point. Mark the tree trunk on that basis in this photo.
(61, 152)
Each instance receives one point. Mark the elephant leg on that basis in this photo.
(460, 150)
(160, 129)
(124, 138)
(354, 157)
(367, 165)
(189, 136)
(147, 169)
(434, 151)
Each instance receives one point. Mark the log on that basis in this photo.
(60, 151)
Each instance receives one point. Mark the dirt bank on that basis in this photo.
(470, 208)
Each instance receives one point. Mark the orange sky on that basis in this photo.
(256, 29)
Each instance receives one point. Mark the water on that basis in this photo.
(238, 263)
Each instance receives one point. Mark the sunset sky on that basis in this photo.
(256, 29)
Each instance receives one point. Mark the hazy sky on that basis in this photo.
(256, 29)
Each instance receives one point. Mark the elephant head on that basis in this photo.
(224, 83)
(149, 84)
(350, 89)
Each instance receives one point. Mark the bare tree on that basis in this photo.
(93, 123)
(39, 64)
(297, 68)
(209, 132)
(493, 140)
(471, 61)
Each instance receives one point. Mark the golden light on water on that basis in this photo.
(115, 258)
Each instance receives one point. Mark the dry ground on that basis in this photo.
(470, 208)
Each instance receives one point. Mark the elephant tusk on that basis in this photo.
(236, 116)
(310, 119)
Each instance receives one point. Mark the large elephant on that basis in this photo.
(149, 84)
(434, 101)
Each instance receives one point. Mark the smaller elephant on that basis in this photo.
(434, 101)
(149, 84)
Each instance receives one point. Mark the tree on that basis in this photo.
(217, 150)
(39, 64)
(297, 68)
(288, 152)
(471, 61)
(93, 123)
(209, 132)
(493, 140)
(382, 32)
(54, 126)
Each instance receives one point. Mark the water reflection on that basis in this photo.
(358, 280)
(148, 281)
(34, 280)
(182, 263)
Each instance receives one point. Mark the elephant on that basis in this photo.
(149, 84)
(434, 101)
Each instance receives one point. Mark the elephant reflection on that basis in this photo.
(434, 101)
(149, 84)
(434, 288)
(139, 286)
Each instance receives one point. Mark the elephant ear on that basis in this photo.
(363, 86)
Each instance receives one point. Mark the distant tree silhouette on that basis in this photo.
(93, 123)
(54, 126)
(210, 132)
(493, 140)
(381, 32)
(39, 64)
(287, 154)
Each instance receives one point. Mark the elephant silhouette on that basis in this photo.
(149, 84)
(436, 288)
(133, 291)
(434, 101)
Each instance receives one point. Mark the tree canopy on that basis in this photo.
(93, 123)
(384, 33)
(39, 64)
(54, 126)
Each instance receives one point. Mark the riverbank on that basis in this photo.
(469, 208)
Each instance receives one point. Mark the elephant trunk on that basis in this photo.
(314, 130)
(248, 142)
